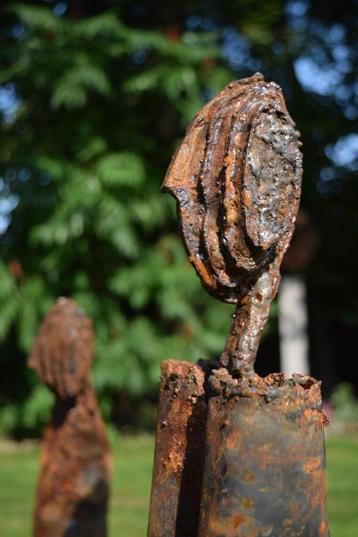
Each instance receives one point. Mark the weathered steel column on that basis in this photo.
(237, 180)
(265, 463)
(179, 453)
(73, 487)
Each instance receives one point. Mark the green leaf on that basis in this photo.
(69, 94)
(105, 24)
(122, 168)
(38, 18)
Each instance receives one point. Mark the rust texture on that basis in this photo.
(73, 487)
(179, 453)
(237, 179)
(265, 463)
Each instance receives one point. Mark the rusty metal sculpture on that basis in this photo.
(237, 179)
(180, 450)
(73, 487)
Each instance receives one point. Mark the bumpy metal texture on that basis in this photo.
(265, 463)
(236, 178)
(179, 453)
(73, 487)
(237, 181)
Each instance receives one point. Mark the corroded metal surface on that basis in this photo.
(237, 181)
(179, 454)
(265, 463)
(236, 178)
(73, 487)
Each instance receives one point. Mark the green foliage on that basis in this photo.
(99, 125)
(29, 415)
(345, 404)
(102, 96)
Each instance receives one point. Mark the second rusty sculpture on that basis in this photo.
(73, 488)
(237, 180)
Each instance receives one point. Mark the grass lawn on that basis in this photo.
(131, 486)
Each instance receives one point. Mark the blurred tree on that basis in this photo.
(93, 99)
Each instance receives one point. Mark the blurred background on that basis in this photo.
(94, 98)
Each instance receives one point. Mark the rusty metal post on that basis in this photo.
(179, 453)
(73, 487)
(265, 463)
(236, 178)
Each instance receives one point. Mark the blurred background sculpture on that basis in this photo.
(237, 181)
(73, 487)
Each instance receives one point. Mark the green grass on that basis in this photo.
(342, 461)
(131, 487)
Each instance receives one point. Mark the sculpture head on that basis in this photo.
(62, 353)
(237, 179)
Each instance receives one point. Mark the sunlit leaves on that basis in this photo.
(71, 89)
(122, 168)
(37, 18)
(100, 109)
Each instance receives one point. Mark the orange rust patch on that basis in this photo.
(238, 520)
(312, 465)
(323, 528)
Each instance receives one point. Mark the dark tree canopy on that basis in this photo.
(94, 98)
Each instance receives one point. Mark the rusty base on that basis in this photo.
(265, 463)
(179, 453)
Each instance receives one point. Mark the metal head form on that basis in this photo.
(236, 178)
(62, 353)
(237, 181)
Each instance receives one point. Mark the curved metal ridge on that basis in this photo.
(236, 177)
